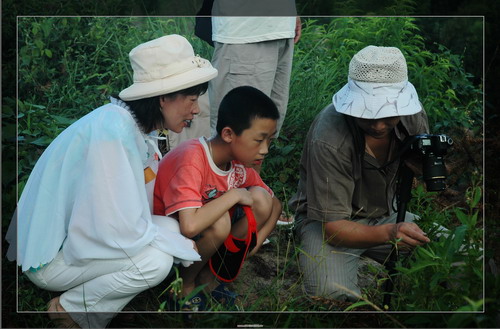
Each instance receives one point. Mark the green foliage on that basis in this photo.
(70, 65)
(447, 273)
(67, 67)
(320, 67)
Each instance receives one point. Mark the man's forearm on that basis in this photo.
(346, 233)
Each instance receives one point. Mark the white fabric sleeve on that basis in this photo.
(170, 237)
(111, 217)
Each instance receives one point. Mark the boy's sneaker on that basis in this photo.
(194, 304)
(223, 295)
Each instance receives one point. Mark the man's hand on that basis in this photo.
(409, 235)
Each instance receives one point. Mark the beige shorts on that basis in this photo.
(264, 65)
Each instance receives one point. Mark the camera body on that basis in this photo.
(431, 149)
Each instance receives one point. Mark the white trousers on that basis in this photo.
(102, 285)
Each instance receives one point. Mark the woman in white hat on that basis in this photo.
(84, 223)
(344, 197)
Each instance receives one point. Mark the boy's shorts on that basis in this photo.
(236, 213)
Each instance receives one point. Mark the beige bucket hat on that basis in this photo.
(165, 65)
(377, 86)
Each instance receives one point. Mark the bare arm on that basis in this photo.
(193, 221)
(346, 233)
(298, 30)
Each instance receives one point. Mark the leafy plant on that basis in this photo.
(447, 273)
(68, 66)
(320, 67)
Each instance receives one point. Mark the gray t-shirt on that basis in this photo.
(334, 183)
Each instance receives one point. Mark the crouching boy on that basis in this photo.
(202, 181)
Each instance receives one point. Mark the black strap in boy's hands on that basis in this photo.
(226, 263)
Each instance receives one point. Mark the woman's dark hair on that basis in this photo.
(146, 111)
(243, 104)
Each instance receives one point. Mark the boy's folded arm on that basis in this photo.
(193, 221)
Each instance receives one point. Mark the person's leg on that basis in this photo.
(252, 64)
(281, 86)
(102, 285)
(266, 210)
(327, 271)
(209, 242)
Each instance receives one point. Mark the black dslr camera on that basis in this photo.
(431, 148)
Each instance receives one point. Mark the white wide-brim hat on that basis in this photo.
(165, 65)
(377, 86)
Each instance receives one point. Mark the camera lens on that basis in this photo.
(434, 185)
(434, 172)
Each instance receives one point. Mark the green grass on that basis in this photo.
(70, 65)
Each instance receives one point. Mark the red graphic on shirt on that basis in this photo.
(237, 177)
(209, 193)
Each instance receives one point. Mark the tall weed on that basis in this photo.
(446, 274)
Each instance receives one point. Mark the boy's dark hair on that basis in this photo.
(242, 105)
(146, 111)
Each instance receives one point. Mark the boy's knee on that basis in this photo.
(220, 230)
(263, 202)
(261, 197)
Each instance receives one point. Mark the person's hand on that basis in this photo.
(409, 235)
(195, 247)
(298, 30)
(244, 196)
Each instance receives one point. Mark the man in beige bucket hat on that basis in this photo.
(84, 220)
(344, 199)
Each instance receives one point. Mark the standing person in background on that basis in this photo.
(254, 51)
(250, 50)
(260, 50)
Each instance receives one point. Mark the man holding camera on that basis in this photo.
(348, 171)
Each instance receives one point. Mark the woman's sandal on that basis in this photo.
(59, 316)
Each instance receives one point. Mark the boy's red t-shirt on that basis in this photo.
(188, 178)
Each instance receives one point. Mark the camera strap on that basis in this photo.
(403, 148)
